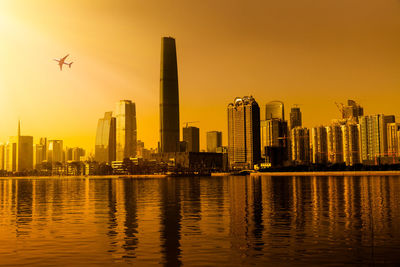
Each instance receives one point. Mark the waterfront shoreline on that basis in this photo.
(218, 174)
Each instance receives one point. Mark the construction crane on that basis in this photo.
(189, 122)
(340, 106)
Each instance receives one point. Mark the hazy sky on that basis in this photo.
(305, 52)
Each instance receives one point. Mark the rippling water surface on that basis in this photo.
(212, 221)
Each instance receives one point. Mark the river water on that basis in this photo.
(207, 221)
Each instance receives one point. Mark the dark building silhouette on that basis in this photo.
(191, 135)
(169, 97)
(295, 117)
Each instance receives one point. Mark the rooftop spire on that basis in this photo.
(19, 128)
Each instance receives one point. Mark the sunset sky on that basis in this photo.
(305, 52)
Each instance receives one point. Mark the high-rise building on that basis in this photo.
(274, 110)
(74, 153)
(169, 97)
(244, 133)
(295, 117)
(2, 157)
(352, 110)
(335, 143)
(55, 151)
(19, 153)
(11, 154)
(40, 152)
(191, 135)
(214, 141)
(319, 144)
(300, 144)
(351, 143)
(126, 135)
(393, 139)
(274, 133)
(105, 147)
(373, 135)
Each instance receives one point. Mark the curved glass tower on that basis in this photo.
(169, 96)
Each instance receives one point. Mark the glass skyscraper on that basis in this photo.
(105, 148)
(274, 110)
(126, 136)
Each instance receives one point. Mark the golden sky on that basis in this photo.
(304, 52)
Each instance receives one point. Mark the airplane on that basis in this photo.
(61, 62)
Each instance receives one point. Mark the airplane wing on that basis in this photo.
(64, 57)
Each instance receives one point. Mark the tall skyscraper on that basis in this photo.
(40, 152)
(2, 157)
(169, 96)
(295, 117)
(373, 132)
(55, 151)
(244, 133)
(19, 153)
(393, 139)
(274, 133)
(105, 147)
(191, 135)
(351, 143)
(319, 145)
(214, 141)
(300, 145)
(126, 135)
(335, 143)
(274, 110)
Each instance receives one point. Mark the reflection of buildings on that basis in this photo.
(169, 97)
(171, 222)
(125, 130)
(106, 139)
(244, 133)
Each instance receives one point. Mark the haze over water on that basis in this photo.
(204, 221)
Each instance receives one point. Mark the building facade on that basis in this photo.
(126, 131)
(105, 147)
(295, 117)
(191, 135)
(319, 144)
(351, 143)
(300, 144)
(275, 110)
(214, 141)
(169, 96)
(334, 143)
(244, 147)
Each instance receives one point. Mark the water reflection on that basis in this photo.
(201, 221)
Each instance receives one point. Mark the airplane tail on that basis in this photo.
(69, 64)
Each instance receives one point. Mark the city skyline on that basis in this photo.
(359, 63)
